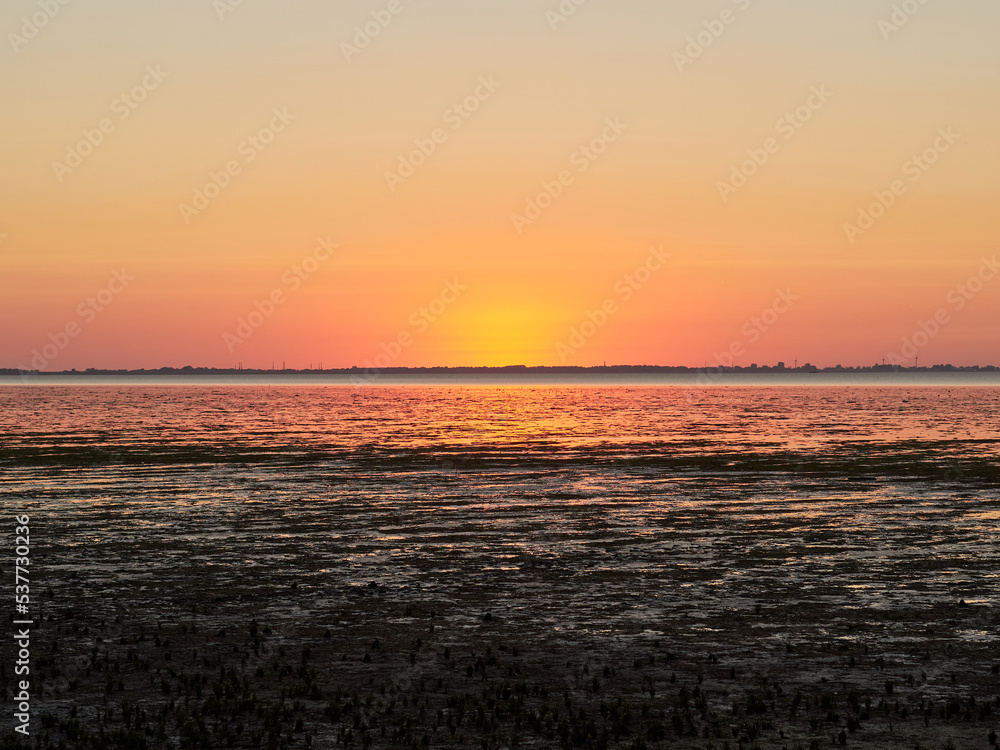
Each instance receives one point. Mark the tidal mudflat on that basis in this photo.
(773, 568)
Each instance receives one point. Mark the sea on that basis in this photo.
(646, 494)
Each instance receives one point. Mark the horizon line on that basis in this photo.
(557, 369)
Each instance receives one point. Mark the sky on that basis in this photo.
(492, 182)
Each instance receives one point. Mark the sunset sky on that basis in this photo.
(490, 182)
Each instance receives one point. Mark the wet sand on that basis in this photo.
(595, 568)
(167, 632)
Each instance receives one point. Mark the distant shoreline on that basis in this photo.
(509, 370)
(641, 375)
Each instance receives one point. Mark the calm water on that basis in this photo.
(610, 505)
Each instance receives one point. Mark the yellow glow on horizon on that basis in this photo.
(498, 333)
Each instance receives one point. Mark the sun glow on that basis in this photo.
(501, 334)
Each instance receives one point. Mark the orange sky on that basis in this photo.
(487, 183)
